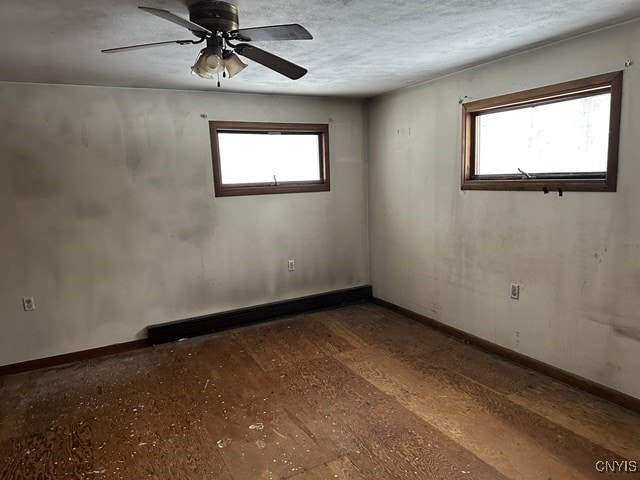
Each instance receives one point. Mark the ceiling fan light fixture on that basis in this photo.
(216, 22)
(209, 63)
(234, 65)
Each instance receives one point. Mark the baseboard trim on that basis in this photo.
(571, 379)
(172, 331)
(73, 357)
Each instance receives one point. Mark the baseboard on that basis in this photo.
(73, 357)
(171, 331)
(576, 381)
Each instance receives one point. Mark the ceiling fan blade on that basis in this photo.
(292, 31)
(167, 15)
(146, 45)
(269, 60)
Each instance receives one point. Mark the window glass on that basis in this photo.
(569, 136)
(249, 157)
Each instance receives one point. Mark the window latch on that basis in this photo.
(525, 174)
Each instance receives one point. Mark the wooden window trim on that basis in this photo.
(573, 89)
(222, 190)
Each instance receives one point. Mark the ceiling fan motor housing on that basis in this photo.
(215, 15)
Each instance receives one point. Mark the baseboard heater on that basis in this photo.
(192, 327)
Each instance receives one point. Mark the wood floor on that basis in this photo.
(353, 393)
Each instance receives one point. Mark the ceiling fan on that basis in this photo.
(216, 23)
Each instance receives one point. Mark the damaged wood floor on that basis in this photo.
(353, 393)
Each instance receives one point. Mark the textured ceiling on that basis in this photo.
(360, 48)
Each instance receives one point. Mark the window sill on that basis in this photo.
(538, 184)
(242, 190)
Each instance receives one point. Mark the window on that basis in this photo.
(263, 158)
(562, 136)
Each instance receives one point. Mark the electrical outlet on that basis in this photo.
(28, 304)
(292, 265)
(515, 291)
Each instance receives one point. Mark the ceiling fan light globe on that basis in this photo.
(201, 73)
(208, 65)
(234, 65)
(213, 62)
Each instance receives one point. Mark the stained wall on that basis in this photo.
(451, 255)
(109, 219)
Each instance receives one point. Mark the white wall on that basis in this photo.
(450, 255)
(108, 216)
